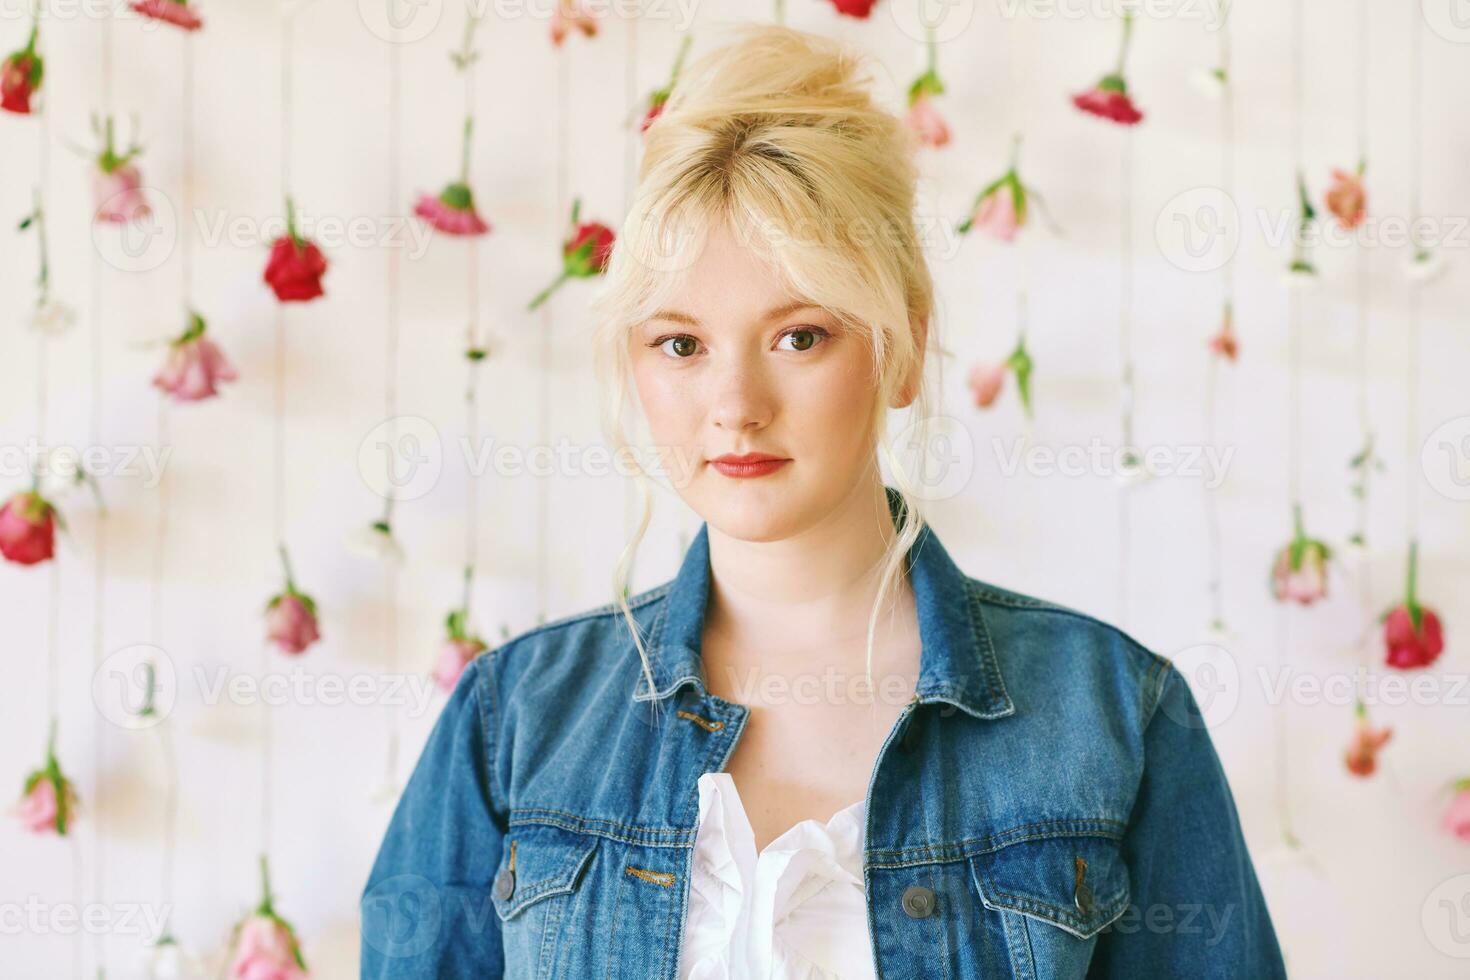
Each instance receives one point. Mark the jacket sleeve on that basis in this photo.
(426, 909)
(1195, 906)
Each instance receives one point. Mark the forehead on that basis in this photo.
(731, 278)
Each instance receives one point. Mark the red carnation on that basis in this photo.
(1412, 634)
(584, 255)
(296, 265)
(855, 8)
(175, 12)
(1109, 99)
(28, 529)
(20, 77)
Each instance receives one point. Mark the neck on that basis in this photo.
(809, 595)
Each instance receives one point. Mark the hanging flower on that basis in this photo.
(923, 118)
(855, 8)
(52, 317)
(1457, 817)
(1362, 754)
(987, 379)
(1347, 199)
(290, 616)
(1301, 272)
(453, 211)
(1109, 98)
(263, 945)
(1300, 570)
(48, 801)
(20, 76)
(659, 97)
(571, 15)
(175, 12)
(168, 959)
(1224, 343)
(117, 186)
(1003, 207)
(585, 254)
(377, 543)
(296, 265)
(1424, 265)
(28, 524)
(1412, 634)
(195, 365)
(1210, 82)
(461, 646)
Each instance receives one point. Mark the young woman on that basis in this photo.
(821, 749)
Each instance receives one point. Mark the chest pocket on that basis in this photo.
(1056, 894)
(538, 863)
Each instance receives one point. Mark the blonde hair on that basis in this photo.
(779, 130)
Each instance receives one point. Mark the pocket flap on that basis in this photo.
(547, 861)
(1076, 883)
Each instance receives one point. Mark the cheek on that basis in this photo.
(669, 403)
(833, 405)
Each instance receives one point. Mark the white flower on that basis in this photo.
(1424, 266)
(1209, 82)
(376, 542)
(1300, 275)
(167, 960)
(52, 317)
(60, 471)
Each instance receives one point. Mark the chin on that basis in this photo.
(767, 508)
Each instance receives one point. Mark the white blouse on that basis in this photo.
(795, 911)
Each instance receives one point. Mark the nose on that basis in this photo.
(742, 399)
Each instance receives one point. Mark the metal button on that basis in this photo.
(505, 884)
(1082, 898)
(918, 901)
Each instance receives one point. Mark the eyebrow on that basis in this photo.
(774, 313)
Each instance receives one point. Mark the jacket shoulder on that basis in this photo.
(1045, 642)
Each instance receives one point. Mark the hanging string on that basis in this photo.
(1411, 340)
(543, 495)
(1125, 343)
(390, 398)
(1215, 548)
(1366, 459)
(99, 539)
(632, 96)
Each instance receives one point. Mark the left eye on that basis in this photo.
(803, 339)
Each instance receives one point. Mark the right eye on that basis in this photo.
(679, 346)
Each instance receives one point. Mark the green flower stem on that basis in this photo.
(1127, 36)
(932, 50)
(545, 294)
(286, 564)
(464, 153)
(267, 905)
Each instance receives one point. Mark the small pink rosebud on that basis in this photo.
(195, 366)
(1362, 755)
(266, 950)
(119, 194)
(27, 529)
(1457, 817)
(1347, 199)
(927, 123)
(290, 621)
(996, 215)
(454, 657)
(985, 382)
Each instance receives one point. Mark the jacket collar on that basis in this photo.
(957, 662)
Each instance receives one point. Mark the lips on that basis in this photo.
(749, 464)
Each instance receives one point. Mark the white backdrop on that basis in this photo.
(1386, 896)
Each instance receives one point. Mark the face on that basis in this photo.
(734, 366)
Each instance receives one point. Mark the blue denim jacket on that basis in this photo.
(1049, 804)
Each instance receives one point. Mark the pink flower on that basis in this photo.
(855, 8)
(290, 622)
(1225, 343)
(452, 212)
(176, 12)
(1362, 755)
(1347, 199)
(265, 946)
(570, 15)
(996, 215)
(266, 951)
(1457, 817)
(194, 367)
(986, 382)
(119, 194)
(454, 657)
(28, 529)
(927, 123)
(48, 801)
(1299, 573)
